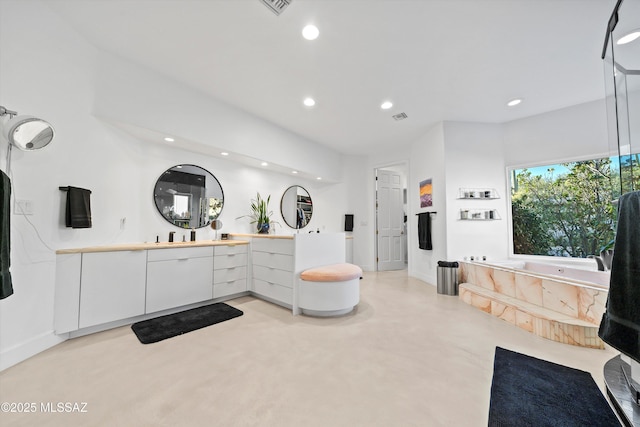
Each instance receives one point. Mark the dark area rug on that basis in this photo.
(526, 391)
(171, 325)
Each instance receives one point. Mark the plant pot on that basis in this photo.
(263, 228)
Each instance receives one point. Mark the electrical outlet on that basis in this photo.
(23, 207)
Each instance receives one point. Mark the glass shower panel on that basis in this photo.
(621, 57)
(622, 84)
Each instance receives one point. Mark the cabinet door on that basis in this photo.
(177, 282)
(67, 295)
(112, 286)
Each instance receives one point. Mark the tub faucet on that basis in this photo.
(171, 233)
(604, 260)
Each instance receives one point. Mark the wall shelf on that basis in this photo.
(479, 215)
(478, 194)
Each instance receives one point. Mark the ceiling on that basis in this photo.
(436, 60)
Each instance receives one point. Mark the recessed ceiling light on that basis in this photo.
(309, 102)
(310, 32)
(386, 105)
(514, 102)
(628, 38)
(264, 164)
(224, 153)
(169, 139)
(294, 172)
(319, 178)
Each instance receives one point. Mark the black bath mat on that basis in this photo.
(526, 391)
(171, 325)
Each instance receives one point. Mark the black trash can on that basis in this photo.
(448, 277)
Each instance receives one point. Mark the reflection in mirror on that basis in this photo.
(29, 133)
(296, 207)
(188, 196)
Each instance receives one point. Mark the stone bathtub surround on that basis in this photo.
(553, 307)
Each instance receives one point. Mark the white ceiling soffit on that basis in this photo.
(436, 60)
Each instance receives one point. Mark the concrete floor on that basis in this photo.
(405, 357)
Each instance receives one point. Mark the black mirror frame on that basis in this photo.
(295, 227)
(155, 187)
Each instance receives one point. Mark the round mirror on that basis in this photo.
(296, 207)
(188, 196)
(29, 133)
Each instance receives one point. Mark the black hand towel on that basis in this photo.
(424, 231)
(6, 287)
(78, 213)
(620, 326)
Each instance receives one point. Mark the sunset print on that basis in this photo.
(426, 193)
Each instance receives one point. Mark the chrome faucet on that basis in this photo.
(604, 260)
(171, 233)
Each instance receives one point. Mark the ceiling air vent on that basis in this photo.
(400, 116)
(276, 6)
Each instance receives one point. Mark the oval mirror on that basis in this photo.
(188, 196)
(296, 207)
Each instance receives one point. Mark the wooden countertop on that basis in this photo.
(146, 246)
(272, 236)
(263, 236)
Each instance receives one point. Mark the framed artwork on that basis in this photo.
(426, 193)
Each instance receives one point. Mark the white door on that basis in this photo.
(390, 220)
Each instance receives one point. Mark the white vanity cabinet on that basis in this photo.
(178, 277)
(101, 287)
(112, 286)
(273, 269)
(229, 270)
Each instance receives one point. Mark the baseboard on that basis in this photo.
(429, 280)
(366, 267)
(18, 353)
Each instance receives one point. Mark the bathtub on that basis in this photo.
(556, 302)
(586, 277)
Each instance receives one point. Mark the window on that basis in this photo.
(566, 209)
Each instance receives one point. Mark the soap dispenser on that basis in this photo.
(171, 233)
(193, 234)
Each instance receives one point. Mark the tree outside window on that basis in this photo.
(566, 209)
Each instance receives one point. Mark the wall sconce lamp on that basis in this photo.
(26, 132)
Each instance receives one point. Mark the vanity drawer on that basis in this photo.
(273, 291)
(179, 253)
(229, 261)
(229, 288)
(278, 246)
(281, 262)
(273, 275)
(230, 249)
(229, 274)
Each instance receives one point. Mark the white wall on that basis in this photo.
(50, 72)
(427, 161)
(579, 131)
(457, 154)
(358, 202)
(474, 159)
(134, 95)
